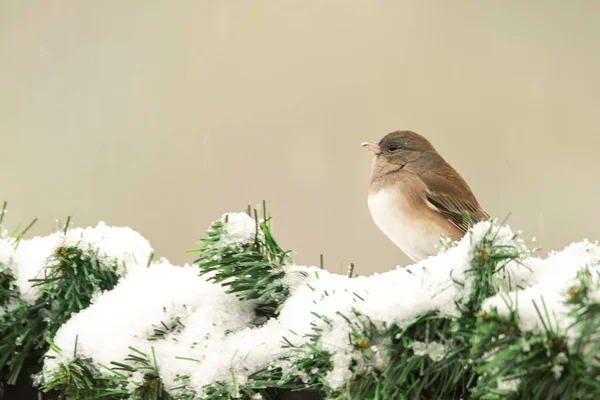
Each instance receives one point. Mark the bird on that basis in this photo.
(415, 197)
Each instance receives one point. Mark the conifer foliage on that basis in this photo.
(484, 319)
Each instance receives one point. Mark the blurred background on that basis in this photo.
(164, 115)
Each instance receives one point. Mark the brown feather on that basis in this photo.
(452, 197)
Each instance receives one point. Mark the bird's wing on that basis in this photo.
(452, 198)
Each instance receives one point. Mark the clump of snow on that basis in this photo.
(124, 244)
(566, 263)
(128, 314)
(552, 279)
(434, 350)
(509, 384)
(559, 360)
(6, 250)
(31, 256)
(470, 247)
(395, 296)
(29, 259)
(557, 370)
(235, 356)
(240, 228)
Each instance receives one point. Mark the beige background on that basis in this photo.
(162, 115)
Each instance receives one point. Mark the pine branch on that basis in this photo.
(250, 269)
(542, 364)
(72, 276)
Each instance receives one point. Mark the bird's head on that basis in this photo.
(399, 148)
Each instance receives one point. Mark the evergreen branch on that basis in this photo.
(73, 275)
(251, 270)
(541, 364)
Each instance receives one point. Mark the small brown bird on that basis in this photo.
(415, 195)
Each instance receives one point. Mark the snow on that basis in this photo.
(525, 344)
(219, 344)
(130, 312)
(240, 228)
(509, 384)
(395, 296)
(121, 243)
(237, 355)
(434, 350)
(28, 260)
(6, 250)
(551, 280)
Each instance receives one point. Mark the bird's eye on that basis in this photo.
(392, 147)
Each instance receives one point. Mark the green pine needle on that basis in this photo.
(73, 275)
(252, 271)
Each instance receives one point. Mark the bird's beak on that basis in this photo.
(372, 147)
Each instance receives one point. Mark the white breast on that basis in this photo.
(413, 234)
